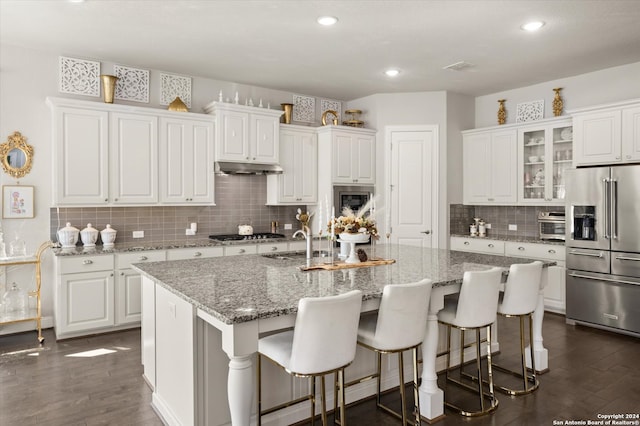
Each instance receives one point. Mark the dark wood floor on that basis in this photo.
(591, 372)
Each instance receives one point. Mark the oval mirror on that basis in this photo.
(16, 155)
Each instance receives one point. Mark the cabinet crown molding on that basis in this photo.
(223, 106)
(621, 104)
(513, 126)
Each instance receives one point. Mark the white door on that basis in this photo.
(413, 198)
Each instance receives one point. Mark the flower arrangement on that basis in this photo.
(353, 223)
(304, 218)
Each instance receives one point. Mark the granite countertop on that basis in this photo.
(162, 245)
(263, 287)
(518, 239)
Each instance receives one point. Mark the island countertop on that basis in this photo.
(238, 289)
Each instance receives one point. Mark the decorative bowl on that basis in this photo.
(533, 159)
(360, 237)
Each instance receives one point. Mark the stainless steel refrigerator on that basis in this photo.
(603, 247)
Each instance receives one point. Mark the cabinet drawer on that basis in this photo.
(75, 264)
(477, 245)
(124, 260)
(535, 251)
(195, 253)
(240, 249)
(272, 248)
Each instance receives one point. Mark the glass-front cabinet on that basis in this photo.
(545, 153)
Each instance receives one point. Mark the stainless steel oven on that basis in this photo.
(354, 197)
(552, 225)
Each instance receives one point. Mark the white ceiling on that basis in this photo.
(278, 44)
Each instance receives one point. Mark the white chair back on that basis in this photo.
(478, 301)
(402, 317)
(522, 288)
(325, 332)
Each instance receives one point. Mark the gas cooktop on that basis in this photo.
(236, 237)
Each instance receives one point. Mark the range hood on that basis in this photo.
(231, 168)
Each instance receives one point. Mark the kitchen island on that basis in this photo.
(202, 320)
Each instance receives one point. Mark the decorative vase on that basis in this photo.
(502, 112)
(288, 111)
(108, 236)
(108, 87)
(68, 236)
(178, 105)
(352, 239)
(89, 236)
(557, 104)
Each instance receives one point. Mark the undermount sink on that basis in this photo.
(295, 255)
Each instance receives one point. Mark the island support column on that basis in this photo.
(539, 351)
(431, 396)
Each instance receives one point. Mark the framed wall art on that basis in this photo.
(17, 202)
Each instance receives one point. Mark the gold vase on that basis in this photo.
(502, 112)
(288, 111)
(558, 104)
(178, 105)
(108, 87)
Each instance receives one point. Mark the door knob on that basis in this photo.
(426, 232)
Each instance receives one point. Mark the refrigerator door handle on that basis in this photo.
(605, 184)
(573, 274)
(614, 208)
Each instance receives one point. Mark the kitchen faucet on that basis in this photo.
(306, 233)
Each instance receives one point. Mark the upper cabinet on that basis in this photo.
(298, 184)
(246, 134)
(186, 160)
(350, 152)
(490, 166)
(545, 152)
(607, 134)
(108, 154)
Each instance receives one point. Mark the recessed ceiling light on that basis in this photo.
(392, 72)
(327, 20)
(532, 26)
(75, 1)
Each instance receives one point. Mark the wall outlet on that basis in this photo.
(138, 234)
(513, 227)
(287, 227)
(189, 232)
(487, 225)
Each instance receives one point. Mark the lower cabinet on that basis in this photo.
(553, 277)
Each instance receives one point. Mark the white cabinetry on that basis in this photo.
(607, 134)
(128, 288)
(298, 184)
(107, 154)
(186, 160)
(246, 134)
(490, 166)
(195, 253)
(553, 277)
(352, 155)
(544, 155)
(84, 295)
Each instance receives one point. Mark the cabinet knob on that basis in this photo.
(491, 246)
(618, 157)
(141, 258)
(489, 199)
(111, 274)
(246, 158)
(254, 158)
(197, 254)
(466, 243)
(115, 199)
(552, 251)
(241, 251)
(521, 248)
(628, 157)
(274, 248)
(87, 262)
(106, 200)
(122, 274)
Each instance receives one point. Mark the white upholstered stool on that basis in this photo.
(400, 325)
(475, 309)
(323, 341)
(519, 299)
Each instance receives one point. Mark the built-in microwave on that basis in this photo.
(552, 225)
(354, 197)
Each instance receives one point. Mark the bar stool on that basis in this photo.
(399, 325)
(323, 341)
(519, 299)
(474, 309)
